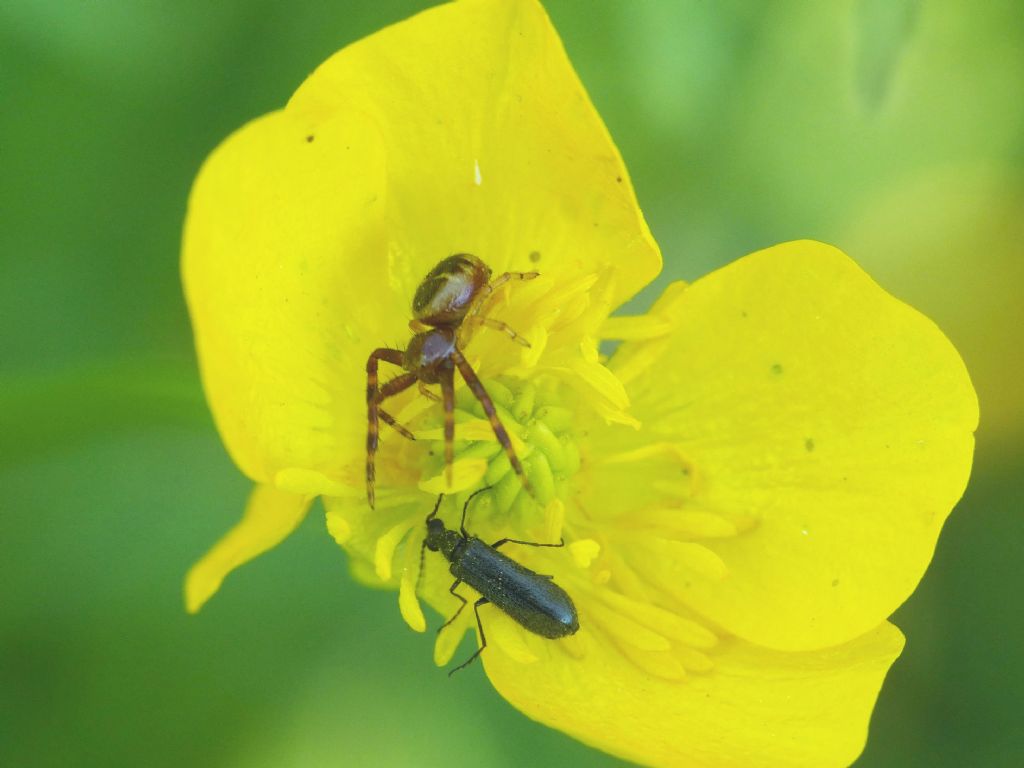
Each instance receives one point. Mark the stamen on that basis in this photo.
(584, 552)
(448, 639)
(693, 661)
(632, 360)
(679, 524)
(634, 328)
(665, 623)
(658, 663)
(623, 629)
(672, 564)
(466, 473)
(307, 482)
(602, 390)
(546, 450)
(339, 528)
(408, 602)
(384, 552)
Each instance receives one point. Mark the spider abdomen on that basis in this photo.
(448, 291)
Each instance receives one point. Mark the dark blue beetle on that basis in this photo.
(532, 599)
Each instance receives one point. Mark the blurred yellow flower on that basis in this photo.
(747, 488)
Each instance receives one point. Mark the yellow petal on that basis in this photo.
(279, 218)
(269, 517)
(830, 421)
(493, 146)
(753, 709)
(508, 636)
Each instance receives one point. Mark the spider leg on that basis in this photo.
(494, 285)
(498, 325)
(388, 419)
(503, 278)
(374, 396)
(483, 638)
(492, 415)
(428, 394)
(448, 394)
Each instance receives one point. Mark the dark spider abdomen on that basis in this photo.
(449, 289)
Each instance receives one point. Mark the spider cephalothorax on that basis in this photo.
(451, 295)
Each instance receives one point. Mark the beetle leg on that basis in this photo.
(488, 405)
(483, 638)
(500, 542)
(455, 615)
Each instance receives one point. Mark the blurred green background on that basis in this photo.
(890, 128)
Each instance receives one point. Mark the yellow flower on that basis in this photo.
(747, 488)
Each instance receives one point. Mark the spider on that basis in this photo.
(451, 295)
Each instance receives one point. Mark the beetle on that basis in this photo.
(451, 295)
(533, 600)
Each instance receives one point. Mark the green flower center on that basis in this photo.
(533, 413)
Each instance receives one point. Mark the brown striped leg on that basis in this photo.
(479, 305)
(373, 399)
(492, 415)
(503, 278)
(388, 419)
(498, 325)
(448, 395)
(398, 384)
(428, 394)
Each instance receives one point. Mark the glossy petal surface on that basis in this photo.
(755, 709)
(493, 146)
(283, 245)
(831, 423)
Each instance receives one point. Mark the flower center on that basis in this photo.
(540, 427)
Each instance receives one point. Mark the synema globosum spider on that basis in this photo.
(452, 294)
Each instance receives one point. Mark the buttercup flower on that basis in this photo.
(747, 488)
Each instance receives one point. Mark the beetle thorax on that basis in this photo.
(439, 538)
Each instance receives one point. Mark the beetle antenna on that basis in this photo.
(465, 508)
(419, 576)
(437, 506)
(423, 544)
